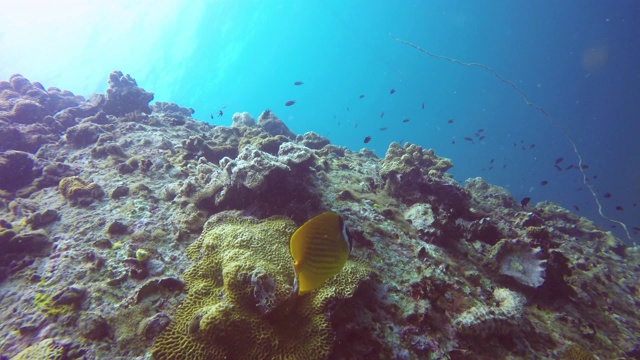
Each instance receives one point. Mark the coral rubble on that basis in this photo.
(131, 230)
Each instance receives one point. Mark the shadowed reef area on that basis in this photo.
(130, 230)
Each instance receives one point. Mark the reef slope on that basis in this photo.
(130, 230)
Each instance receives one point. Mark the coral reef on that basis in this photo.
(187, 256)
(239, 301)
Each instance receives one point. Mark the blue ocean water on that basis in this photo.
(576, 59)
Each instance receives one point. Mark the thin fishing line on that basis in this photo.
(524, 97)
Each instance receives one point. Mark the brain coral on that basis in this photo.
(239, 304)
(501, 318)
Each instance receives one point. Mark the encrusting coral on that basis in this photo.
(239, 302)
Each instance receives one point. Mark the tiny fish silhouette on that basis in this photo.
(544, 182)
(219, 113)
(406, 120)
(559, 160)
(450, 121)
(381, 114)
(468, 139)
(525, 201)
(482, 137)
(289, 103)
(576, 207)
(298, 83)
(211, 115)
(367, 139)
(619, 208)
(383, 128)
(480, 130)
(607, 195)
(392, 91)
(422, 106)
(361, 96)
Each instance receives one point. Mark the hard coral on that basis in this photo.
(239, 303)
(124, 96)
(410, 173)
(500, 319)
(79, 192)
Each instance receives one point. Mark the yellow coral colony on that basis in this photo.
(238, 304)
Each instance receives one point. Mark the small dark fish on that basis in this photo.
(476, 134)
(211, 115)
(289, 103)
(491, 161)
(367, 139)
(515, 144)
(544, 182)
(569, 167)
(392, 91)
(558, 167)
(383, 129)
(619, 208)
(532, 146)
(356, 125)
(361, 96)
(576, 207)
(524, 148)
(468, 138)
(450, 121)
(219, 113)
(406, 120)
(490, 167)
(584, 166)
(381, 114)
(192, 111)
(224, 106)
(348, 109)
(607, 195)
(525, 201)
(504, 166)
(480, 130)
(453, 141)
(481, 137)
(422, 106)
(595, 177)
(636, 228)
(483, 169)
(559, 160)
(298, 83)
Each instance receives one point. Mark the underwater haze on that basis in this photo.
(576, 60)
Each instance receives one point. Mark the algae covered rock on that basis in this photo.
(411, 173)
(239, 302)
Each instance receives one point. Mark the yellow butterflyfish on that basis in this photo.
(320, 248)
